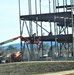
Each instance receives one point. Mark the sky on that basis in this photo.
(9, 17)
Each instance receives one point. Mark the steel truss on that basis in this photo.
(62, 19)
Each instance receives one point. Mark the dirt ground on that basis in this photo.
(22, 68)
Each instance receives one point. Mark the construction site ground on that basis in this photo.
(59, 73)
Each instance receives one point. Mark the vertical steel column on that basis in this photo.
(20, 28)
(27, 28)
(54, 26)
(50, 26)
(72, 25)
(36, 18)
(41, 28)
(57, 47)
(40, 13)
(50, 12)
(30, 26)
(59, 52)
(27, 44)
(54, 10)
(30, 12)
(64, 17)
(65, 26)
(49, 7)
(36, 25)
(57, 3)
(67, 30)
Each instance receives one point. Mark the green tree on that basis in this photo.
(11, 49)
(1, 51)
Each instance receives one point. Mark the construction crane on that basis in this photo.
(11, 57)
(18, 55)
(10, 40)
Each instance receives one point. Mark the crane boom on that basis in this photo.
(10, 40)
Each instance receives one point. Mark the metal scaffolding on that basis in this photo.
(60, 16)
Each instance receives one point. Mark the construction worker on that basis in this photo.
(33, 38)
(34, 35)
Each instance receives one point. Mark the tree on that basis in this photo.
(1, 51)
(11, 49)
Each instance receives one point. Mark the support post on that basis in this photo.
(20, 28)
(72, 26)
(73, 32)
(30, 26)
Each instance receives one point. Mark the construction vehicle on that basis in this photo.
(17, 56)
(14, 57)
(11, 57)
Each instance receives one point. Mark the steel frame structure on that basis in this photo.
(62, 19)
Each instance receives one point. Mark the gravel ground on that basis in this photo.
(69, 72)
(30, 68)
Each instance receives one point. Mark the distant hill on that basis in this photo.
(17, 45)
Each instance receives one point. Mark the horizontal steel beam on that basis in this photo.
(65, 6)
(59, 38)
(46, 17)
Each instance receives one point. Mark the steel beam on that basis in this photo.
(60, 38)
(46, 17)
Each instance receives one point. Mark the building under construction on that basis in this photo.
(58, 15)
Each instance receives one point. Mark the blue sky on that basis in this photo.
(9, 21)
(9, 17)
